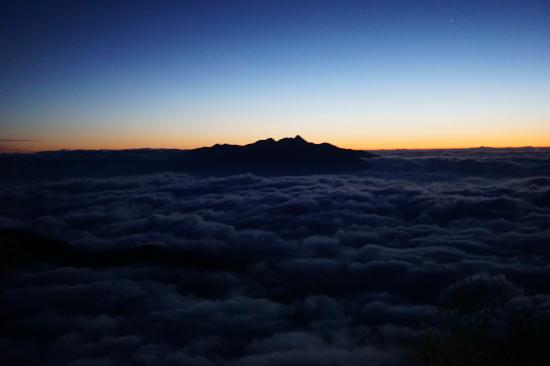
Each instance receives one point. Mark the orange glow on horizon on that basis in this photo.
(114, 142)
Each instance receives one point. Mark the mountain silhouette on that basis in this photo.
(287, 156)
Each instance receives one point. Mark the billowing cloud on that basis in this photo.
(249, 270)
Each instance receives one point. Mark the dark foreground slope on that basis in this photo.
(23, 249)
(265, 157)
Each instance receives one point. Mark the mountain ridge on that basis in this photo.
(286, 156)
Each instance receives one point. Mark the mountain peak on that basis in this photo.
(289, 155)
(297, 140)
(264, 141)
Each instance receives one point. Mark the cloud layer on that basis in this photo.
(305, 270)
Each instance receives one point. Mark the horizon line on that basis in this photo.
(26, 151)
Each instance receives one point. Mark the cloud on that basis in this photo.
(244, 270)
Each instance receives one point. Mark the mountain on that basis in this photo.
(285, 156)
(292, 156)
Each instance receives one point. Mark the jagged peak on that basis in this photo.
(262, 142)
(269, 139)
(296, 140)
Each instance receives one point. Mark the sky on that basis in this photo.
(359, 74)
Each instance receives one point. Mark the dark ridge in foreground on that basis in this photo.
(287, 156)
(21, 249)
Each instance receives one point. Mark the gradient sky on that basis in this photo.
(368, 74)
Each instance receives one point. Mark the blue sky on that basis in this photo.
(370, 74)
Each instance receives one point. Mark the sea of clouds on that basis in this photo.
(304, 270)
